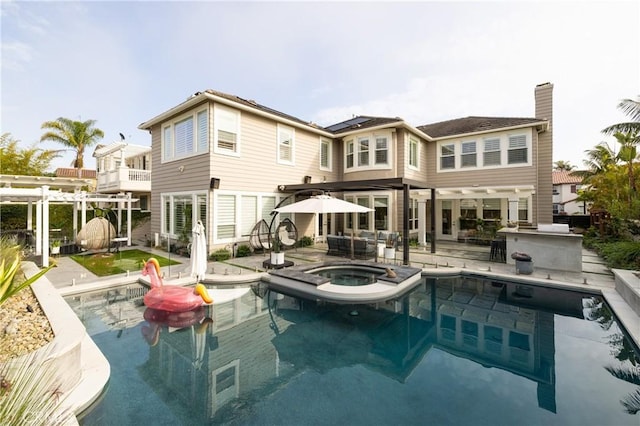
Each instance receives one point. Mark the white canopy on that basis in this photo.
(323, 204)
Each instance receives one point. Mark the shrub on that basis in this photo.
(622, 254)
(243, 251)
(305, 241)
(220, 255)
(10, 258)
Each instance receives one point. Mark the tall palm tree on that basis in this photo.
(76, 135)
(600, 159)
(632, 109)
(563, 165)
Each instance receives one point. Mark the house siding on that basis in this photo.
(543, 199)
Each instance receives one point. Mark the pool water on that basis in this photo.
(454, 351)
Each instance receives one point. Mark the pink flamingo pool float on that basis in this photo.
(172, 298)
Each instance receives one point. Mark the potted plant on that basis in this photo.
(55, 247)
(277, 256)
(390, 247)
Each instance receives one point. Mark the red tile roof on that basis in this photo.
(71, 172)
(561, 177)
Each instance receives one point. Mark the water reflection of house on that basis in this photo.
(500, 325)
(200, 373)
(256, 346)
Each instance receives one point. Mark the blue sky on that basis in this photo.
(122, 63)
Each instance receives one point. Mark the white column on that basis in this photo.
(39, 227)
(83, 215)
(422, 222)
(29, 215)
(128, 218)
(75, 214)
(45, 226)
(513, 208)
(120, 214)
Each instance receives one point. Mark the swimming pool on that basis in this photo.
(453, 351)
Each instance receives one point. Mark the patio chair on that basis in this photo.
(287, 233)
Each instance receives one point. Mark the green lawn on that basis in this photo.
(104, 264)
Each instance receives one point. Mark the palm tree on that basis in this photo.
(76, 135)
(563, 165)
(632, 109)
(599, 160)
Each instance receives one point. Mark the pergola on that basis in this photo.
(399, 184)
(38, 190)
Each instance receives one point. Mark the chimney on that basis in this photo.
(543, 200)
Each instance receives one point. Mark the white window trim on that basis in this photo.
(353, 196)
(171, 125)
(194, 202)
(415, 167)
(462, 154)
(504, 153)
(216, 148)
(292, 131)
(329, 144)
(372, 165)
(440, 156)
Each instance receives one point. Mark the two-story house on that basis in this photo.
(565, 193)
(229, 161)
(124, 168)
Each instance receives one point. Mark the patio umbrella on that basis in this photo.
(323, 204)
(198, 251)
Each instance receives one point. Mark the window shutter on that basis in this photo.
(249, 205)
(226, 216)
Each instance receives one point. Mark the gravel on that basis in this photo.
(23, 325)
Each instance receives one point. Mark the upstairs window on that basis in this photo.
(363, 152)
(492, 152)
(286, 144)
(413, 153)
(350, 152)
(325, 154)
(447, 156)
(367, 152)
(518, 150)
(188, 135)
(382, 150)
(226, 125)
(468, 157)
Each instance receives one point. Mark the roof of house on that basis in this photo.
(360, 122)
(72, 172)
(561, 177)
(253, 104)
(461, 126)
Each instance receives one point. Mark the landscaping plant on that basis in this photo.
(10, 258)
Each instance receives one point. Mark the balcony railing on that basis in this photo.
(124, 179)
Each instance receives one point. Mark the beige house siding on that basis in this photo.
(544, 191)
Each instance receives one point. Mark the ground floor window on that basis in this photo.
(413, 214)
(523, 210)
(491, 208)
(237, 213)
(179, 214)
(378, 220)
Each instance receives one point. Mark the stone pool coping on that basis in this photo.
(297, 281)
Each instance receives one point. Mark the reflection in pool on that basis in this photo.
(453, 351)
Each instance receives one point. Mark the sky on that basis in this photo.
(122, 63)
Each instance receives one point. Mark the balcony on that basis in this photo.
(124, 180)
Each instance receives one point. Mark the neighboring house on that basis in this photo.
(565, 193)
(86, 174)
(123, 167)
(229, 161)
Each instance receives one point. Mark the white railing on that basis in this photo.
(124, 179)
